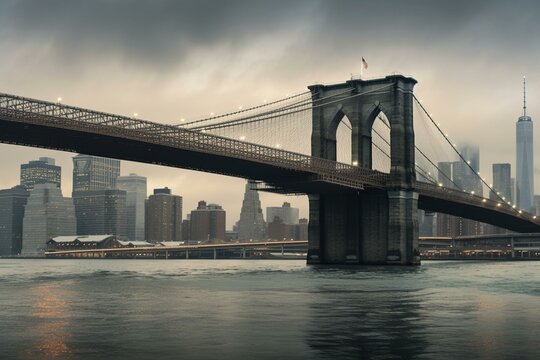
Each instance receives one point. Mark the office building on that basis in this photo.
(101, 212)
(502, 182)
(208, 223)
(186, 229)
(135, 188)
(465, 174)
(279, 230)
(537, 204)
(288, 214)
(524, 159)
(251, 224)
(12, 202)
(301, 232)
(462, 176)
(94, 173)
(163, 216)
(39, 172)
(47, 214)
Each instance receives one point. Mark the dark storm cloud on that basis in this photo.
(162, 32)
(157, 32)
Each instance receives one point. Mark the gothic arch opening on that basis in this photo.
(380, 143)
(344, 141)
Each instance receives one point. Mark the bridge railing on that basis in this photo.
(58, 115)
(470, 199)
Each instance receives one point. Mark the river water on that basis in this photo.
(257, 309)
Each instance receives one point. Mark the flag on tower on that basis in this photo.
(364, 63)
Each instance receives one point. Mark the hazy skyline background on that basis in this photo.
(168, 60)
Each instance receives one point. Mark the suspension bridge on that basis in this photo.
(352, 147)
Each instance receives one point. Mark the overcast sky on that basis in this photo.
(168, 60)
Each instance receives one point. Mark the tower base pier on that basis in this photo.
(367, 227)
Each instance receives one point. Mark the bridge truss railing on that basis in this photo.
(454, 195)
(25, 110)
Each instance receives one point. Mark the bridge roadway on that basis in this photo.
(30, 122)
(162, 249)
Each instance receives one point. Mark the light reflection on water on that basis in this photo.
(49, 325)
(98, 309)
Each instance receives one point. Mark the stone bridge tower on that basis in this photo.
(374, 225)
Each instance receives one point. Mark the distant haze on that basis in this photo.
(168, 60)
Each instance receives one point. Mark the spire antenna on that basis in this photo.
(524, 99)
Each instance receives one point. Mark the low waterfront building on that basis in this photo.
(79, 242)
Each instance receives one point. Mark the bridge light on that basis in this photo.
(534, 217)
(472, 192)
(440, 184)
(240, 107)
(484, 200)
(59, 100)
(469, 162)
(490, 185)
(446, 134)
(454, 145)
(355, 163)
(498, 204)
(513, 206)
(520, 211)
(264, 101)
(182, 120)
(498, 193)
(503, 198)
(135, 114)
(278, 145)
(242, 138)
(211, 114)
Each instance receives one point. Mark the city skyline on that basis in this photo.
(249, 72)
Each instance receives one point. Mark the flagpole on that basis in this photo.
(361, 70)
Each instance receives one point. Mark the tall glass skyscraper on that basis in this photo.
(502, 182)
(524, 159)
(94, 173)
(135, 188)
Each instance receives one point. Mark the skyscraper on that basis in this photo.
(101, 212)
(135, 188)
(465, 174)
(251, 223)
(208, 223)
(163, 216)
(47, 214)
(524, 159)
(100, 207)
(40, 171)
(12, 202)
(94, 173)
(502, 182)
